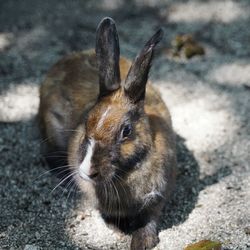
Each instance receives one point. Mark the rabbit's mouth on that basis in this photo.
(96, 178)
(86, 177)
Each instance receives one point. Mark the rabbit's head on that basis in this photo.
(115, 137)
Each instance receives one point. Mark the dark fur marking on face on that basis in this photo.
(127, 164)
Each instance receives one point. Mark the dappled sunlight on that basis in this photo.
(115, 4)
(89, 229)
(5, 40)
(19, 103)
(194, 11)
(200, 125)
(208, 98)
(203, 124)
(198, 218)
(203, 220)
(236, 73)
(110, 4)
(239, 149)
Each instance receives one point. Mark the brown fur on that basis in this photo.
(72, 110)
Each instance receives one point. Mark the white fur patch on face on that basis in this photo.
(100, 123)
(85, 166)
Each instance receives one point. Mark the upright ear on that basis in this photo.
(107, 54)
(135, 83)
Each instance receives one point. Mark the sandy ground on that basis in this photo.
(209, 98)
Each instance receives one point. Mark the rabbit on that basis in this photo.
(116, 131)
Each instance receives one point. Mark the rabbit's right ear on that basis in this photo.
(108, 54)
(135, 83)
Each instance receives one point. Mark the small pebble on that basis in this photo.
(247, 230)
(31, 247)
(38, 236)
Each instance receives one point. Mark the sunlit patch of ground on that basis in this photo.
(192, 11)
(19, 103)
(208, 98)
(234, 73)
(5, 40)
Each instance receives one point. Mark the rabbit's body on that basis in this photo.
(119, 138)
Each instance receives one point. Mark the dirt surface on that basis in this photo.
(209, 98)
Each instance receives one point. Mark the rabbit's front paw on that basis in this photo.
(144, 238)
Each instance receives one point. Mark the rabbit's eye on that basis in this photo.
(126, 131)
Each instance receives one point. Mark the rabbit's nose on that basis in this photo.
(93, 174)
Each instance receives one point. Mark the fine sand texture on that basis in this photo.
(208, 96)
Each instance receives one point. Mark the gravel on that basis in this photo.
(208, 97)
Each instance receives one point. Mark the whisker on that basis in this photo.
(67, 167)
(72, 183)
(56, 156)
(123, 171)
(105, 195)
(75, 191)
(49, 171)
(119, 201)
(66, 178)
(60, 151)
(45, 139)
(57, 129)
(66, 130)
(109, 199)
(120, 181)
(66, 187)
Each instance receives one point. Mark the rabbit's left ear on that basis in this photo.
(108, 54)
(135, 84)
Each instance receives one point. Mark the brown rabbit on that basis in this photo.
(116, 131)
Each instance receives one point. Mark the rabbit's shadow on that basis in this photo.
(188, 186)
